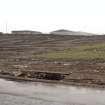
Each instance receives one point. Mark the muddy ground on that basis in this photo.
(17, 59)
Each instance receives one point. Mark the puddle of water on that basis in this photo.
(48, 94)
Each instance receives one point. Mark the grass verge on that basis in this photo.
(84, 52)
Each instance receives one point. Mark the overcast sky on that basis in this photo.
(49, 15)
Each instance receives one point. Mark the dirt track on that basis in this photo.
(17, 55)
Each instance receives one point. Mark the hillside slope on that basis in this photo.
(54, 53)
(68, 32)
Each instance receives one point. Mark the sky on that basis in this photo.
(50, 15)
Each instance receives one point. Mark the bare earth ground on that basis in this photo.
(18, 58)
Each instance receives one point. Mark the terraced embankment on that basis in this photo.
(70, 59)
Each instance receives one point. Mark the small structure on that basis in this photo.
(25, 32)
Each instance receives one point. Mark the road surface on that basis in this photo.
(31, 93)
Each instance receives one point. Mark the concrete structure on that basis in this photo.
(25, 32)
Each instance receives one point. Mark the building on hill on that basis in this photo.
(25, 32)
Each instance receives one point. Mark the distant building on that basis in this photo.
(25, 32)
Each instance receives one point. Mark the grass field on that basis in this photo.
(84, 52)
